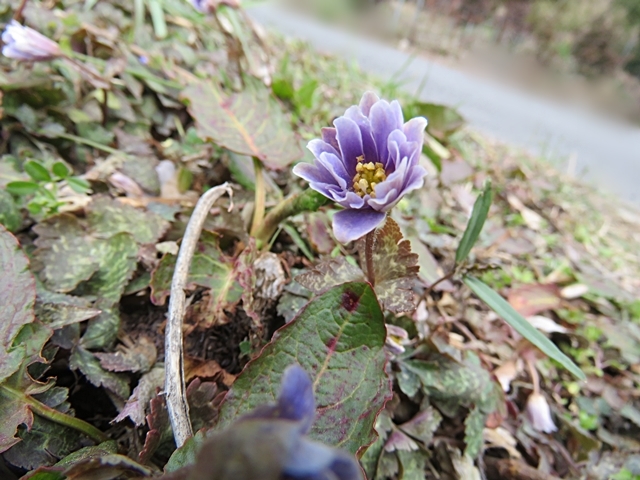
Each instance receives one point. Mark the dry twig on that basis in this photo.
(175, 388)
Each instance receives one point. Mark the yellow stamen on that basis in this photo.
(367, 176)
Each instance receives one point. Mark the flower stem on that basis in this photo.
(307, 201)
(55, 415)
(368, 253)
(260, 197)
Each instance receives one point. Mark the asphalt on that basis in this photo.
(600, 150)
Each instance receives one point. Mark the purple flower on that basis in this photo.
(366, 164)
(271, 443)
(24, 43)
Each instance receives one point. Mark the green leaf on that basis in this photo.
(443, 121)
(78, 185)
(250, 122)
(476, 222)
(22, 187)
(338, 339)
(60, 170)
(9, 212)
(282, 88)
(521, 325)
(17, 299)
(304, 96)
(37, 172)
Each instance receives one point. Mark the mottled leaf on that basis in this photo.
(110, 467)
(250, 122)
(55, 472)
(42, 445)
(68, 253)
(138, 356)
(423, 425)
(58, 315)
(108, 217)
(17, 299)
(89, 365)
(328, 274)
(464, 384)
(117, 262)
(102, 330)
(394, 267)
(520, 324)
(473, 427)
(338, 339)
(210, 268)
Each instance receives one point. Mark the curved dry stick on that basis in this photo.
(175, 388)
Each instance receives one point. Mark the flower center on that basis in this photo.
(368, 175)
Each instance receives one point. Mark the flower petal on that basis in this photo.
(350, 141)
(349, 225)
(313, 173)
(333, 164)
(296, 401)
(414, 129)
(367, 101)
(329, 136)
(368, 143)
(385, 118)
(318, 147)
(313, 460)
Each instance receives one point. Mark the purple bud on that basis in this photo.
(24, 43)
(366, 164)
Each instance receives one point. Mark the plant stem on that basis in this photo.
(440, 280)
(260, 197)
(17, 16)
(56, 416)
(307, 201)
(90, 143)
(368, 253)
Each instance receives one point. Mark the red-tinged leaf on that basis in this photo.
(535, 298)
(394, 267)
(250, 122)
(145, 391)
(138, 356)
(330, 273)
(17, 300)
(338, 339)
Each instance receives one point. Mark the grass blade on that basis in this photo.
(476, 222)
(521, 325)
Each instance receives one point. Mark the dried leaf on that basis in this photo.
(136, 405)
(138, 357)
(532, 299)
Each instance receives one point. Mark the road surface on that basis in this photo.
(602, 151)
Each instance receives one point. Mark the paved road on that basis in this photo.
(606, 153)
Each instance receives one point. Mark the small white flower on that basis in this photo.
(24, 43)
(539, 413)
